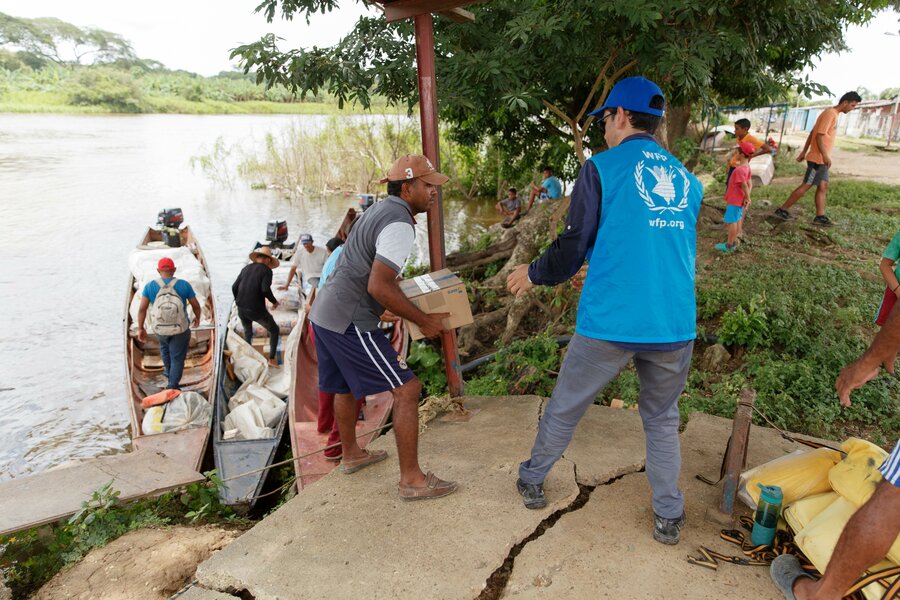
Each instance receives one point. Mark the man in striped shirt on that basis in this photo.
(873, 528)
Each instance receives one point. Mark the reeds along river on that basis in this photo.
(76, 193)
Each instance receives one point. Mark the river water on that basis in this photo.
(77, 193)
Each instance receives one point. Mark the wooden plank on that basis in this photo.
(186, 447)
(458, 15)
(736, 455)
(56, 494)
(404, 9)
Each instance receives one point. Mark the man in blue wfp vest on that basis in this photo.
(633, 216)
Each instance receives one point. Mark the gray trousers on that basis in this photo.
(590, 364)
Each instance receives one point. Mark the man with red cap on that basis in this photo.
(355, 358)
(169, 298)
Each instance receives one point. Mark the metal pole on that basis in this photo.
(431, 149)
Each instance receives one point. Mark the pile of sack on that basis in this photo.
(256, 408)
(142, 263)
(822, 490)
(174, 410)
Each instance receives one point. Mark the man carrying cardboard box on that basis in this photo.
(355, 359)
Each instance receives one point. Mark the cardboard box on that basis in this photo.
(437, 292)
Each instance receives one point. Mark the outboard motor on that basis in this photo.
(276, 233)
(169, 220)
(366, 201)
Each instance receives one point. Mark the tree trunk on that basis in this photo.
(677, 120)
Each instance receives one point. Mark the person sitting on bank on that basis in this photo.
(509, 207)
(308, 262)
(743, 136)
(550, 189)
(169, 297)
(251, 289)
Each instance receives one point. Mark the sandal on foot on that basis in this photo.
(433, 488)
(785, 570)
(334, 458)
(371, 457)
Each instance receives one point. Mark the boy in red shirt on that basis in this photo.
(737, 195)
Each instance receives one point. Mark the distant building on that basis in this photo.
(876, 119)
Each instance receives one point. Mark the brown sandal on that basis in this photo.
(354, 465)
(433, 488)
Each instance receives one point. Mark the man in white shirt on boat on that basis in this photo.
(308, 260)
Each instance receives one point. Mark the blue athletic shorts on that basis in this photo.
(357, 362)
(733, 213)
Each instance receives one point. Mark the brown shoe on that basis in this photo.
(354, 465)
(433, 488)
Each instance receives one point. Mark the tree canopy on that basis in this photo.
(529, 71)
(51, 39)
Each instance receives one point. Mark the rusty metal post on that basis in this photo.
(736, 454)
(431, 149)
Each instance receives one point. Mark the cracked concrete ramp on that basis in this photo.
(605, 549)
(608, 443)
(350, 535)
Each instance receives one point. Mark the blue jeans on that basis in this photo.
(590, 364)
(173, 349)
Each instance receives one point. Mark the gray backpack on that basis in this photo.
(169, 315)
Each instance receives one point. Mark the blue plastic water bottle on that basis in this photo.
(768, 509)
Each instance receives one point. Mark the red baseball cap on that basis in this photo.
(165, 264)
(747, 148)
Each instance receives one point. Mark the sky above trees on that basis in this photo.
(198, 35)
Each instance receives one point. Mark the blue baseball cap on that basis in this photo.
(306, 238)
(633, 93)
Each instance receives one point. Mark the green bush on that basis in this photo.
(429, 368)
(748, 328)
(110, 88)
(541, 352)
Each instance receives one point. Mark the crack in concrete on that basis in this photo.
(497, 581)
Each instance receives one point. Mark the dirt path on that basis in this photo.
(144, 564)
(867, 163)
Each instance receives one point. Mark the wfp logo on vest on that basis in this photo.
(667, 182)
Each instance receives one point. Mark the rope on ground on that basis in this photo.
(762, 555)
(302, 456)
(783, 434)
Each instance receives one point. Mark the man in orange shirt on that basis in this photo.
(817, 152)
(742, 133)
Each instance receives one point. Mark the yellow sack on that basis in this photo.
(818, 539)
(798, 475)
(800, 513)
(856, 476)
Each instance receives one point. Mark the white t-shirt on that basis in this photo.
(310, 263)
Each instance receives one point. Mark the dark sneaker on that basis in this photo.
(667, 531)
(822, 221)
(532, 494)
(782, 214)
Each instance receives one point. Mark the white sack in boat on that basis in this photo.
(270, 405)
(248, 420)
(189, 409)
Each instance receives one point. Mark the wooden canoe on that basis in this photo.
(144, 371)
(303, 408)
(234, 457)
